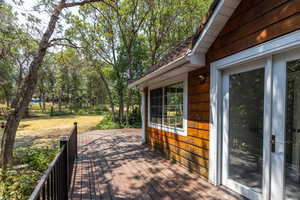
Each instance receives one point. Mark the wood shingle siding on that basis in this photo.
(253, 23)
(190, 151)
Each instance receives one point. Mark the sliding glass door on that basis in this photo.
(261, 128)
(286, 126)
(243, 129)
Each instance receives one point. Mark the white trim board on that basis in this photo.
(215, 24)
(143, 111)
(277, 45)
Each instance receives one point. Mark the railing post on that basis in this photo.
(65, 168)
(76, 132)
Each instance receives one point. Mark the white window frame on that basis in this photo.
(177, 79)
(143, 110)
(261, 51)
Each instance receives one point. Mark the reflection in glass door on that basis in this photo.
(243, 134)
(246, 106)
(292, 131)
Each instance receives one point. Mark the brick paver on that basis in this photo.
(114, 165)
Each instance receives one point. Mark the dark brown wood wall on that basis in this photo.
(190, 151)
(255, 22)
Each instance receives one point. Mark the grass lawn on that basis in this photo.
(44, 131)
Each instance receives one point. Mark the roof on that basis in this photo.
(179, 50)
(183, 47)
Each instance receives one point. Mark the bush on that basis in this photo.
(32, 162)
(36, 158)
(17, 184)
(100, 109)
(60, 113)
(134, 121)
(108, 123)
(135, 118)
(39, 159)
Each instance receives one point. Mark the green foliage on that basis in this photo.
(17, 184)
(37, 159)
(135, 118)
(100, 109)
(61, 113)
(32, 162)
(108, 123)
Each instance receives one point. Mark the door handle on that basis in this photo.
(273, 142)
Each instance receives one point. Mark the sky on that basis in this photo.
(27, 8)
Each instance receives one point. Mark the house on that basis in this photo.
(225, 103)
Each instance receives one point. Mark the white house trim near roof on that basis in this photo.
(215, 24)
(179, 61)
(196, 57)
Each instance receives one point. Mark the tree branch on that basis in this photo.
(57, 41)
(81, 3)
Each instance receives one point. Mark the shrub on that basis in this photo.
(99, 109)
(36, 158)
(135, 118)
(17, 184)
(108, 123)
(60, 113)
(31, 163)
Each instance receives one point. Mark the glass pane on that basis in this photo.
(173, 108)
(292, 137)
(156, 102)
(246, 105)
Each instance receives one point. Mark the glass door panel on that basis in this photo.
(292, 133)
(243, 129)
(246, 111)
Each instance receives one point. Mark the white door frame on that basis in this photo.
(265, 50)
(242, 189)
(279, 122)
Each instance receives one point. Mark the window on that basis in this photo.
(166, 108)
(173, 105)
(156, 105)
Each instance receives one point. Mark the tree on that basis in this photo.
(27, 88)
(169, 22)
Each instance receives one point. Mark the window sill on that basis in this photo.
(178, 131)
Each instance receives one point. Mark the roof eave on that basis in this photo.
(179, 61)
(214, 25)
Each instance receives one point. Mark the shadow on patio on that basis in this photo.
(114, 165)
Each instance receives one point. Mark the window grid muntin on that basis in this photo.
(163, 124)
(173, 92)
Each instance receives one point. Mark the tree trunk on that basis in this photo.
(129, 100)
(121, 106)
(112, 106)
(59, 102)
(7, 96)
(25, 93)
(26, 113)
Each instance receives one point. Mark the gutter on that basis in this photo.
(175, 63)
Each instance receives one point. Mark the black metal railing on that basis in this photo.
(56, 181)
